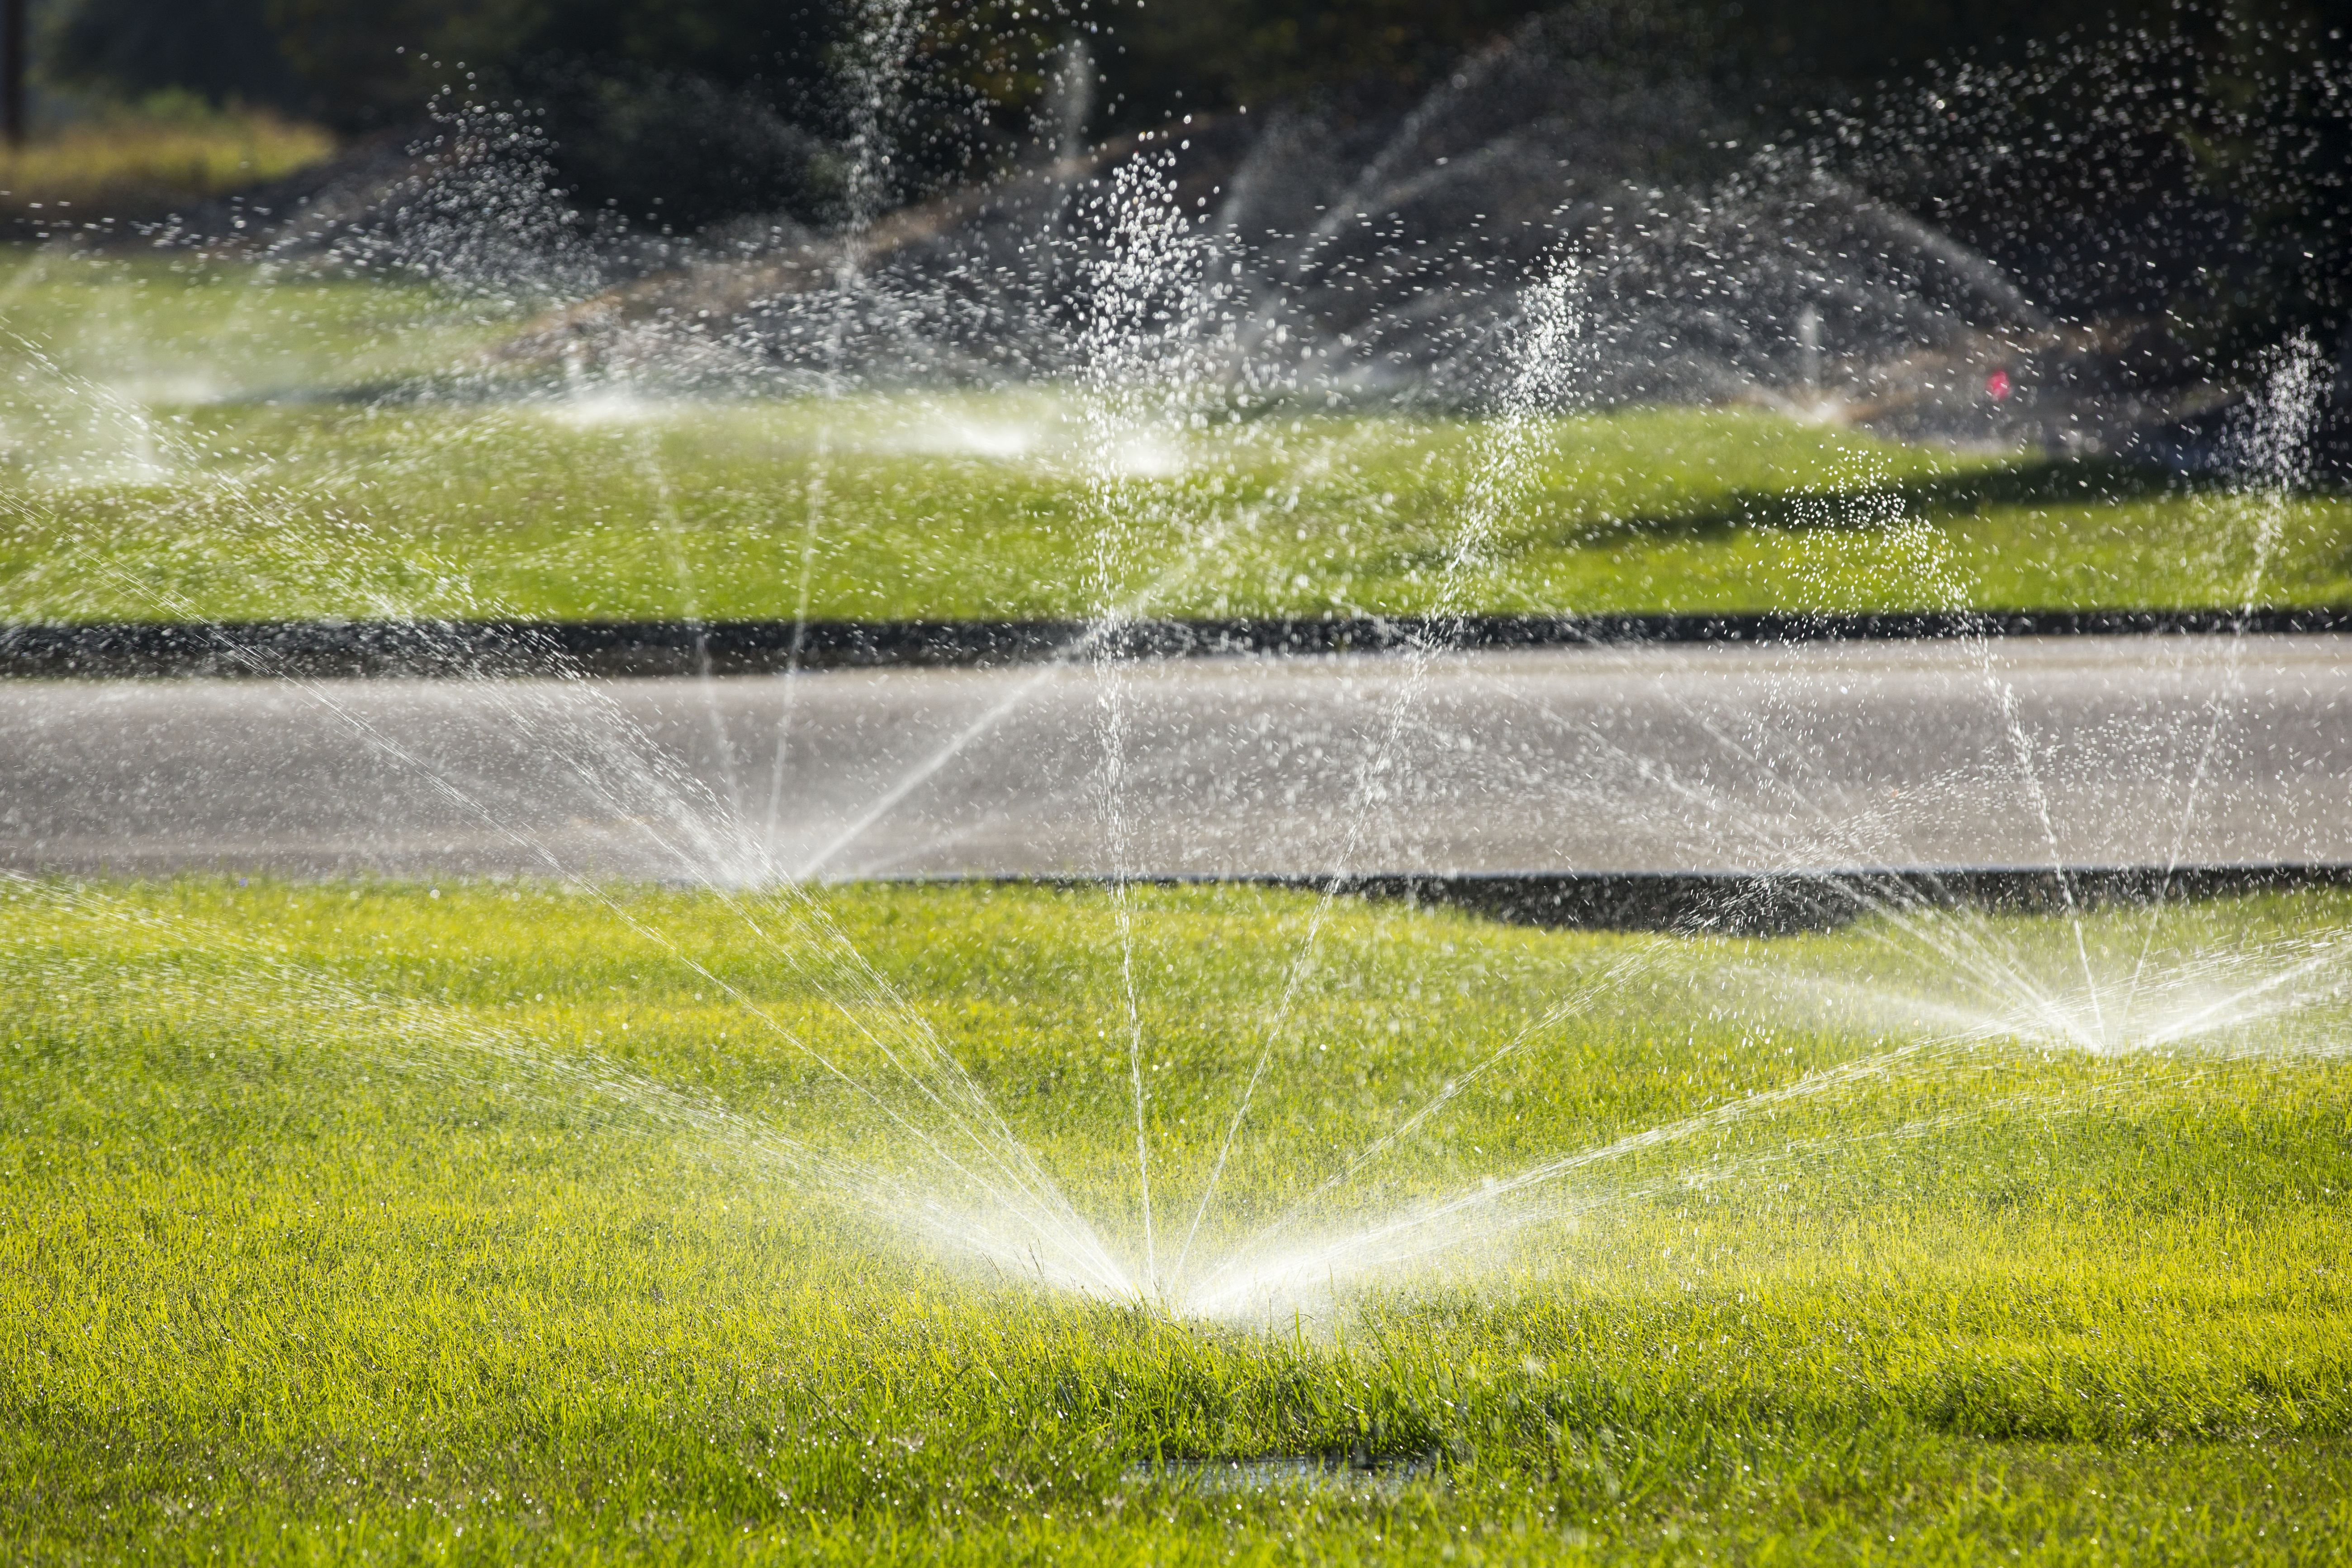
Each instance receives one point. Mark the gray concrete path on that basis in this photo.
(2124, 750)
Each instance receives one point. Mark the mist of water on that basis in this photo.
(1775, 283)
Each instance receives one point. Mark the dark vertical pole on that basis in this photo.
(11, 73)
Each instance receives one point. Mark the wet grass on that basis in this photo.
(212, 443)
(477, 1223)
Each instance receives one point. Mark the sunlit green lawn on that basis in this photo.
(484, 1222)
(221, 443)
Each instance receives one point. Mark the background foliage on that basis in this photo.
(2205, 140)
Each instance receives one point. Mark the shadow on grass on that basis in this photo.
(2038, 483)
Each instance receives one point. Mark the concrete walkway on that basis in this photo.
(2095, 750)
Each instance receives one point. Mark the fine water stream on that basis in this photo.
(1153, 295)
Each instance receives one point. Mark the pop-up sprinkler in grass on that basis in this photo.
(1097, 395)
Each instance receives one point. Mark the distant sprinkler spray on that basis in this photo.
(1809, 352)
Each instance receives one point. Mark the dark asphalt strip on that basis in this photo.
(628, 648)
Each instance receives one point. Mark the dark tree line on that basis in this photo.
(682, 113)
(353, 64)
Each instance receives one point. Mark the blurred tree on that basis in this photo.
(373, 62)
(15, 35)
(1214, 54)
(674, 114)
(673, 111)
(683, 112)
(2274, 149)
(1219, 54)
(221, 50)
(680, 112)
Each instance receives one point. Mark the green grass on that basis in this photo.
(143, 161)
(385, 1222)
(211, 442)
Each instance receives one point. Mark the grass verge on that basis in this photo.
(482, 1222)
(211, 443)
